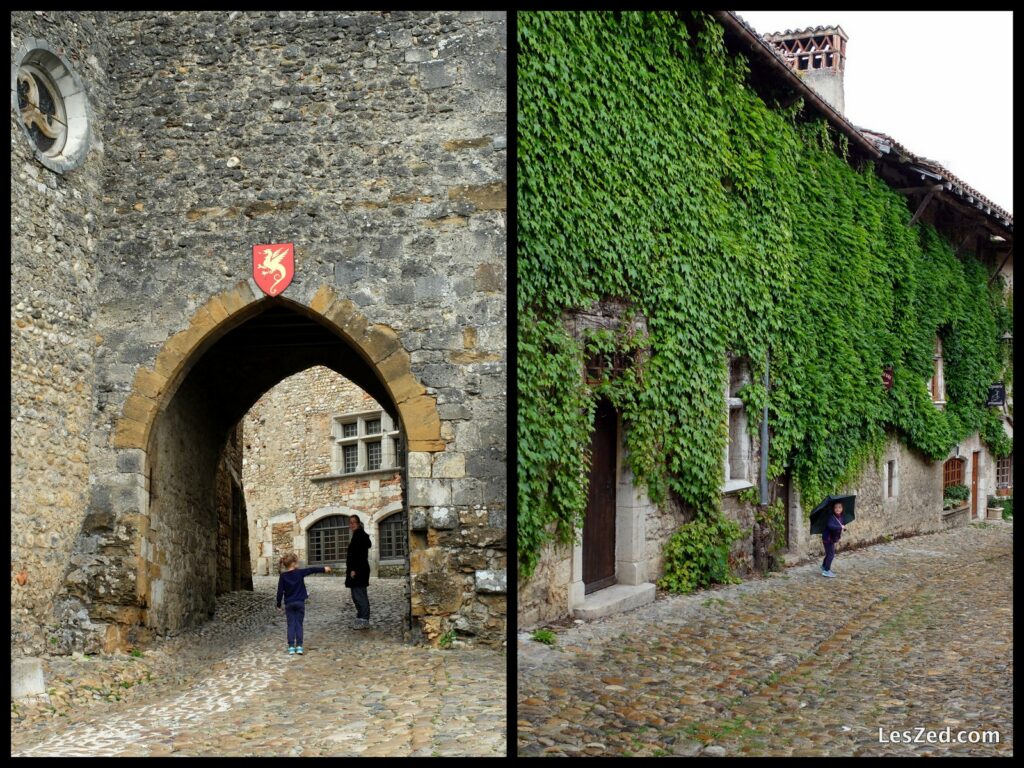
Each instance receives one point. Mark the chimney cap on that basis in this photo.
(789, 34)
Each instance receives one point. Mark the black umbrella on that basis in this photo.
(821, 513)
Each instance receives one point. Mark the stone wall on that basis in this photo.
(544, 597)
(288, 473)
(373, 141)
(55, 247)
(661, 522)
(915, 508)
(234, 568)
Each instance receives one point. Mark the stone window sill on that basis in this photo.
(370, 473)
(733, 486)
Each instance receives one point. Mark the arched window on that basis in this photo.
(328, 540)
(953, 473)
(392, 532)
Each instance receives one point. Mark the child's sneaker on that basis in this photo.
(829, 574)
(291, 650)
(298, 650)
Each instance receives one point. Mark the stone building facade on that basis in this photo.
(295, 474)
(375, 142)
(900, 494)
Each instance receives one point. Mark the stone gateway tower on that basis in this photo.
(150, 152)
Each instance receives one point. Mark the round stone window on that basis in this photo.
(49, 101)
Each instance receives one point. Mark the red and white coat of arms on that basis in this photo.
(273, 266)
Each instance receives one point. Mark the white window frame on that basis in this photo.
(390, 457)
(938, 373)
(737, 455)
(891, 480)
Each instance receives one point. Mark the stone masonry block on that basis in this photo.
(139, 408)
(322, 299)
(131, 460)
(429, 493)
(467, 490)
(346, 315)
(202, 321)
(449, 465)
(238, 297)
(418, 519)
(129, 434)
(395, 365)
(419, 416)
(150, 383)
(490, 581)
(485, 197)
(405, 387)
(419, 464)
(217, 310)
(380, 342)
(434, 74)
(27, 678)
(444, 518)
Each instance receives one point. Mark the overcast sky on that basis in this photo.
(939, 82)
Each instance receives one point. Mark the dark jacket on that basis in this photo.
(358, 560)
(833, 529)
(291, 585)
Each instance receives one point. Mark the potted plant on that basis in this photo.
(997, 508)
(954, 496)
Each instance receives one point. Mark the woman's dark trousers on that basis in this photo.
(362, 602)
(830, 552)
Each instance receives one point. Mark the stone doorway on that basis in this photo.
(599, 525)
(620, 534)
(159, 570)
(191, 432)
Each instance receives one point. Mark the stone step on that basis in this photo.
(615, 599)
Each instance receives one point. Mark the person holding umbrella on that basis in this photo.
(829, 519)
(833, 530)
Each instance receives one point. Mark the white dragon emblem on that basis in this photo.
(272, 264)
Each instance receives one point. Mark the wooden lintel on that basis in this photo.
(1008, 255)
(912, 190)
(921, 207)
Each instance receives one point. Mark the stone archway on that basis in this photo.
(152, 576)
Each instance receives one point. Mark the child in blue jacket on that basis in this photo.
(291, 586)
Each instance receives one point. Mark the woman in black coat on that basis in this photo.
(357, 571)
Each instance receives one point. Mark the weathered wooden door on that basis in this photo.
(599, 523)
(975, 458)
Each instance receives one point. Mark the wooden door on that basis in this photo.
(975, 458)
(599, 523)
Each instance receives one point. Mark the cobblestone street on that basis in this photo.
(913, 633)
(230, 688)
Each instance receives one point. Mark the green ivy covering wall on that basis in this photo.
(650, 172)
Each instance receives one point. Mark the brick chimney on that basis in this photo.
(818, 55)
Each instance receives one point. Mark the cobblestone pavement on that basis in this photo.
(230, 688)
(914, 633)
